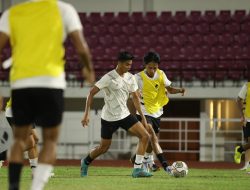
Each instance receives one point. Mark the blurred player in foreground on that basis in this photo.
(36, 31)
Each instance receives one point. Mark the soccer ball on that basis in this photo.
(179, 169)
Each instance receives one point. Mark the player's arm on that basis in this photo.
(241, 109)
(137, 104)
(89, 101)
(83, 51)
(173, 90)
(4, 38)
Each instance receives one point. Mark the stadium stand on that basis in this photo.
(214, 46)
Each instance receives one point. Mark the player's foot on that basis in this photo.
(237, 155)
(245, 167)
(169, 170)
(154, 168)
(52, 174)
(84, 168)
(140, 172)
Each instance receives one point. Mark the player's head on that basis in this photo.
(125, 59)
(151, 61)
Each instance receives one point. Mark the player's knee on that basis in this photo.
(146, 137)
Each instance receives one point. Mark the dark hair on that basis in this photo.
(125, 56)
(151, 57)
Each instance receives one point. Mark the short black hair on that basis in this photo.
(125, 56)
(151, 57)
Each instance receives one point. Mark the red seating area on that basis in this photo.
(195, 46)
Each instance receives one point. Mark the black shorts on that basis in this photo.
(109, 127)
(155, 122)
(43, 106)
(11, 122)
(246, 130)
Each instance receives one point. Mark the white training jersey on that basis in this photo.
(8, 112)
(116, 93)
(243, 95)
(140, 85)
(71, 22)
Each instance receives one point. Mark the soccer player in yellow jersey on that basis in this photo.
(244, 95)
(153, 88)
(36, 30)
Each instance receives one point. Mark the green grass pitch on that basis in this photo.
(116, 178)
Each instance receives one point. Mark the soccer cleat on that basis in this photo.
(84, 168)
(246, 166)
(140, 172)
(237, 155)
(154, 168)
(169, 170)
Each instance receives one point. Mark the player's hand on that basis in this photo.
(89, 75)
(243, 121)
(182, 91)
(85, 121)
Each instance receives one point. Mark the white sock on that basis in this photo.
(41, 176)
(1, 163)
(33, 162)
(138, 161)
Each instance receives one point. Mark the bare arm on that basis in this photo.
(83, 51)
(89, 101)
(241, 109)
(173, 90)
(4, 38)
(136, 101)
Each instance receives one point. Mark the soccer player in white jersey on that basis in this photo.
(117, 85)
(36, 30)
(153, 88)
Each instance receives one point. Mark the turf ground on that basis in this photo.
(119, 178)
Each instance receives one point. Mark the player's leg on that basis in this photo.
(242, 148)
(21, 133)
(138, 130)
(49, 110)
(33, 152)
(97, 151)
(107, 130)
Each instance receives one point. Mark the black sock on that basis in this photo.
(163, 161)
(133, 159)
(3, 155)
(241, 149)
(14, 175)
(88, 160)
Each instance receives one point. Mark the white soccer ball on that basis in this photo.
(179, 169)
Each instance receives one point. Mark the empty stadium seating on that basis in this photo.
(212, 45)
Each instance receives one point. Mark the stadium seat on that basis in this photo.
(202, 28)
(83, 18)
(120, 41)
(195, 39)
(241, 39)
(143, 29)
(151, 18)
(217, 28)
(88, 30)
(195, 17)
(180, 40)
(100, 29)
(158, 29)
(245, 27)
(210, 39)
(180, 17)
(173, 28)
(226, 39)
(224, 16)
(166, 17)
(115, 29)
(92, 41)
(122, 18)
(209, 16)
(135, 40)
(239, 16)
(95, 18)
(129, 29)
(165, 40)
(108, 18)
(136, 18)
(232, 27)
(150, 40)
(106, 41)
(187, 28)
